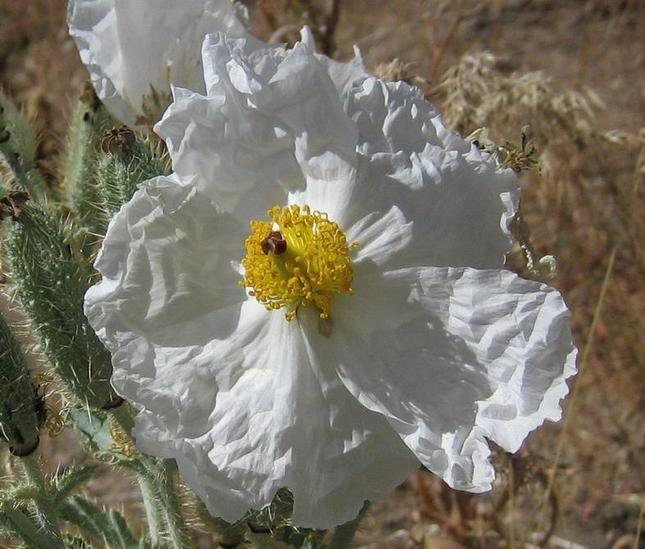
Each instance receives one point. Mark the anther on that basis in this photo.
(315, 267)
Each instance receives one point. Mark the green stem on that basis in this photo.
(176, 525)
(344, 533)
(151, 505)
(26, 529)
(158, 491)
(161, 474)
(47, 514)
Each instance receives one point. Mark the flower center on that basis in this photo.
(298, 258)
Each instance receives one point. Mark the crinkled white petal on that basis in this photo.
(284, 126)
(168, 267)
(281, 420)
(130, 46)
(451, 356)
(271, 125)
(459, 199)
(236, 394)
(520, 331)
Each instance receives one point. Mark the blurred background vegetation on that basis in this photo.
(571, 70)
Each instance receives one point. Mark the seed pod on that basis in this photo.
(117, 140)
(12, 204)
(21, 405)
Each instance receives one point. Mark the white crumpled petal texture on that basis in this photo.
(131, 46)
(437, 350)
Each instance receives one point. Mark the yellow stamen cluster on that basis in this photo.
(314, 266)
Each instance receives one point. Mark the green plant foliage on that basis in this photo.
(71, 480)
(89, 122)
(17, 493)
(98, 429)
(18, 146)
(76, 542)
(18, 522)
(107, 526)
(274, 521)
(127, 162)
(21, 405)
(51, 282)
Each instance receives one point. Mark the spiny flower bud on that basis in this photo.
(126, 162)
(51, 281)
(89, 122)
(21, 405)
(18, 145)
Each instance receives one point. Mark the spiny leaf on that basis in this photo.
(86, 516)
(108, 526)
(97, 428)
(16, 494)
(66, 483)
(22, 526)
(121, 530)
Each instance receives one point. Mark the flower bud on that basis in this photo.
(51, 281)
(89, 121)
(126, 162)
(18, 145)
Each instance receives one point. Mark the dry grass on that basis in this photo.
(573, 71)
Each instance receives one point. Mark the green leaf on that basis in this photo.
(75, 541)
(107, 526)
(96, 428)
(18, 522)
(121, 530)
(16, 493)
(66, 483)
(86, 516)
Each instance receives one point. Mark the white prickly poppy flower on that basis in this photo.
(134, 49)
(316, 297)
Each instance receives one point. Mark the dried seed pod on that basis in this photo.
(117, 140)
(12, 204)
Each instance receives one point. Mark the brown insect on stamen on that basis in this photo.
(274, 244)
(117, 140)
